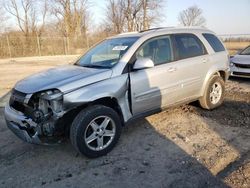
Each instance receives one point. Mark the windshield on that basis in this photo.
(246, 51)
(107, 53)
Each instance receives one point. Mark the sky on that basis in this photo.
(223, 16)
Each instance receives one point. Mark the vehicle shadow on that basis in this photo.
(232, 123)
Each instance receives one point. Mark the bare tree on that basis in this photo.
(72, 16)
(123, 14)
(3, 19)
(133, 15)
(152, 12)
(192, 16)
(44, 12)
(26, 16)
(115, 16)
(132, 10)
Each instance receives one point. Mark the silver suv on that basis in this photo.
(122, 78)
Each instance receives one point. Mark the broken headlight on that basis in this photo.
(52, 99)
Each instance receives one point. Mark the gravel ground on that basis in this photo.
(181, 147)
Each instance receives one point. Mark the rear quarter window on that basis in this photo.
(214, 42)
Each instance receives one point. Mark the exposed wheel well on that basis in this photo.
(110, 102)
(68, 118)
(222, 74)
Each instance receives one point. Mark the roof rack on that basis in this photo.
(154, 29)
(133, 32)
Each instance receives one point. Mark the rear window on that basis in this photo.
(189, 45)
(214, 42)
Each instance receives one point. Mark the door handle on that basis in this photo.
(204, 60)
(172, 69)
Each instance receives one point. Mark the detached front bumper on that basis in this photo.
(23, 127)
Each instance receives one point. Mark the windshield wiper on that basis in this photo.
(95, 66)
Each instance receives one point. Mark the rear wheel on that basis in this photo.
(214, 94)
(95, 131)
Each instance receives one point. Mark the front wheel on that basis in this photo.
(95, 131)
(214, 93)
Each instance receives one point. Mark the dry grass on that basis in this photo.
(233, 47)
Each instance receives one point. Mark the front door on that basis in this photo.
(152, 88)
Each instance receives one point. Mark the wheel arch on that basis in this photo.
(111, 102)
(222, 73)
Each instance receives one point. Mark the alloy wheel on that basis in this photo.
(99, 133)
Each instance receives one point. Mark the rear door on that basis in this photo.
(192, 64)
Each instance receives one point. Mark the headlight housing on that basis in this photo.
(53, 99)
(52, 95)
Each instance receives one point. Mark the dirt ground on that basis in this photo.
(181, 147)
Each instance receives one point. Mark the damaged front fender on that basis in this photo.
(115, 87)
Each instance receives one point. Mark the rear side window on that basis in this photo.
(214, 42)
(189, 45)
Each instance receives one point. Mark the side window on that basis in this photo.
(214, 42)
(189, 45)
(159, 50)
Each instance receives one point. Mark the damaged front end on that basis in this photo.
(34, 117)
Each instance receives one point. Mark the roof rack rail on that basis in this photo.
(133, 32)
(154, 29)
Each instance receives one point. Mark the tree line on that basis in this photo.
(73, 17)
(73, 20)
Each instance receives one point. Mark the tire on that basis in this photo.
(95, 131)
(209, 100)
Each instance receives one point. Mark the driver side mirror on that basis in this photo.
(143, 63)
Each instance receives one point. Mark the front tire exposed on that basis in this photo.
(95, 131)
(214, 93)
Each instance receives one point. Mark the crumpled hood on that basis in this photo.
(64, 78)
(241, 59)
